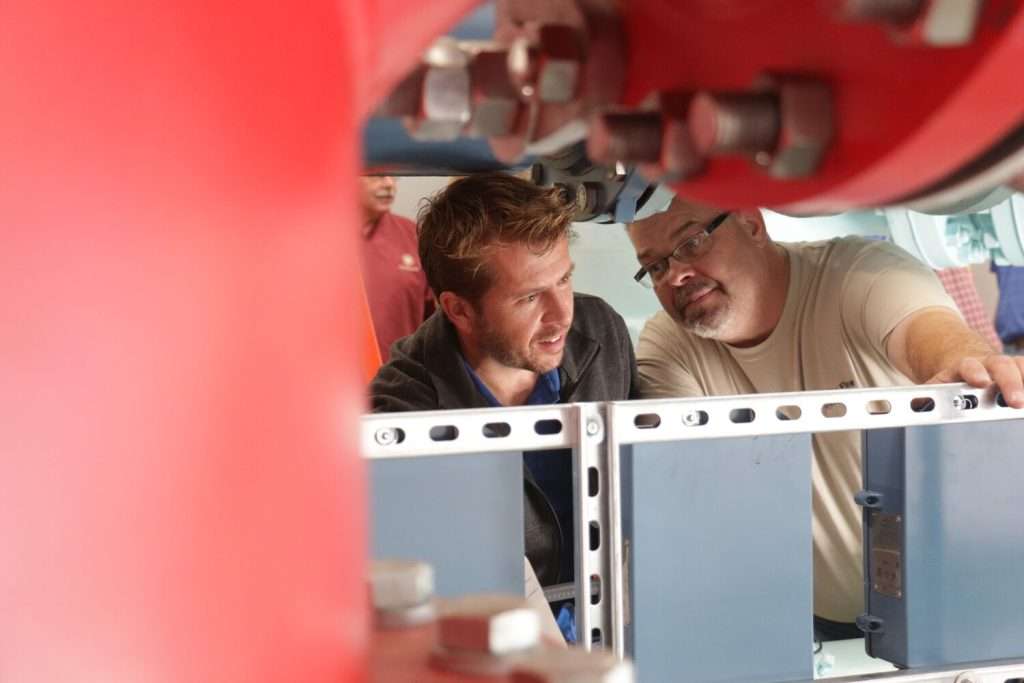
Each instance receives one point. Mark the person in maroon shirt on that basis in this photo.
(396, 288)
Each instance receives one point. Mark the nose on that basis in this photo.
(678, 272)
(559, 307)
(388, 182)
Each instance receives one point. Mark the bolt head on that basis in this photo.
(400, 584)
(560, 57)
(491, 624)
(495, 98)
(573, 665)
(805, 128)
(691, 419)
(385, 436)
(593, 427)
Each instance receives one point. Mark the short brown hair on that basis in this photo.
(463, 222)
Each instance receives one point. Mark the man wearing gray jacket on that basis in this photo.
(509, 331)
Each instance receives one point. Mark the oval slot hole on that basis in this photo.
(970, 401)
(788, 412)
(595, 636)
(878, 407)
(497, 430)
(1000, 400)
(595, 536)
(595, 589)
(444, 433)
(593, 482)
(546, 427)
(833, 410)
(922, 404)
(647, 421)
(741, 415)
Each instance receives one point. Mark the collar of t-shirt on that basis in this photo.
(545, 391)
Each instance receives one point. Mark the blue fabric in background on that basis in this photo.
(1010, 311)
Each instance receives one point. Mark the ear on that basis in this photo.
(459, 311)
(751, 222)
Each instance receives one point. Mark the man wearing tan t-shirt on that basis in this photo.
(743, 314)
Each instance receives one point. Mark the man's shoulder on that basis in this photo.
(847, 250)
(404, 382)
(590, 309)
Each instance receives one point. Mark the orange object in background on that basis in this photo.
(371, 349)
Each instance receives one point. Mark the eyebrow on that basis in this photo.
(538, 290)
(675, 237)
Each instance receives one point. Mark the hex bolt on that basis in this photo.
(734, 123)
(959, 403)
(593, 427)
(489, 624)
(385, 436)
(692, 418)
(573, 666)
(402, 592)
(935, 23)
(624, 137)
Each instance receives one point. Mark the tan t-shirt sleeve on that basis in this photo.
(661, 361)
(882, 287)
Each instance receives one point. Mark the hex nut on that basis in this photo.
(400, 584)
(495, 98)
(444, 106)
(560, 56)
(806, 128)
(572, 665)
(488, 624)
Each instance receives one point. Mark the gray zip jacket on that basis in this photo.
(426, 372)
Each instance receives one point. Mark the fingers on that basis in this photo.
(1008, 374)
(974, 372)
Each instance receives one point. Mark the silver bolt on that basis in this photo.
(573, 666)
(625, 137)
(488, 624)
(959, 403)
(734, 123)
(692, 418)
(385, 436)
(593, 427)
(402, 592)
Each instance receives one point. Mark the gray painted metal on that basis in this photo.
(718, 559)
(956, 493)
(463, 515)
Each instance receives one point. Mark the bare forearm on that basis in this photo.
(939, 340)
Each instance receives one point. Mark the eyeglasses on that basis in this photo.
(687, 251)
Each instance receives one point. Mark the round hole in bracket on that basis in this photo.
(833, 410)
(742, 415)
(444, 433)
(497, 430)
(647, 421)
(788, 412)
(548, 427)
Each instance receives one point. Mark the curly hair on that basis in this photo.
(463, 223)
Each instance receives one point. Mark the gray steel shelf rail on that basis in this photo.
(596, 432)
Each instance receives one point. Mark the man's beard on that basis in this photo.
(497, 346)
(709, 323)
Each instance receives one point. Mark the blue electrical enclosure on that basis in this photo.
(718, 558)
(944, 543)
(461, 513)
